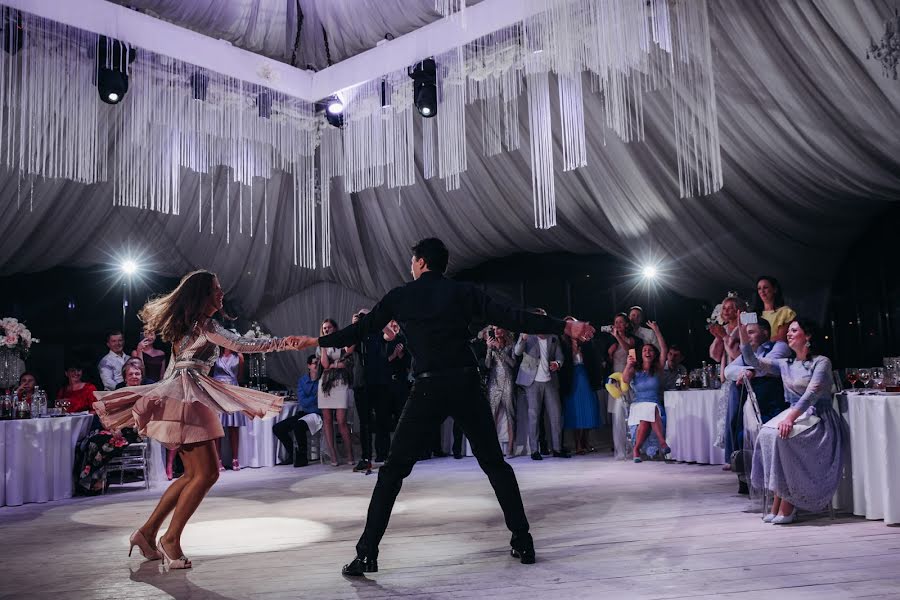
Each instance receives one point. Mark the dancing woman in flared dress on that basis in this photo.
(182, 410)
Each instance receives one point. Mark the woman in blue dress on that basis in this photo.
(647, 411)
(581, 408)
(799, 455)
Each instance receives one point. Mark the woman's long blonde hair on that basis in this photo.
(174, 314)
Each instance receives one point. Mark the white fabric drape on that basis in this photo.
(809, 144)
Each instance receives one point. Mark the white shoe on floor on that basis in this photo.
(785, 519)
(769, 518)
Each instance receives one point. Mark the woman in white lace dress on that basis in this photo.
(182, 410)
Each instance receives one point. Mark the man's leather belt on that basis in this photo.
(447, 372)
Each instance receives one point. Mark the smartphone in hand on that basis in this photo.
(749, 318)
(632, 354)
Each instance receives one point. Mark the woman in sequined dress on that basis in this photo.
(182, 410)
(501, 384)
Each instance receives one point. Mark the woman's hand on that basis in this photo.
(654, 326)
(632, 360)
(785, 427)
(718, 331)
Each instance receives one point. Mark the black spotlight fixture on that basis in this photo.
(264, 105)
(199, 86)
(333, 109)
(424, 76)
(113, 58)
(13, 31)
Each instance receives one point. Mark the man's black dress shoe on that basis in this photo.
(562, 454)
(526, 555)
(360, 566)
(536, 456)
(742, 488)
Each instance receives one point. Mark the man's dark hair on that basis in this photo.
(112, 332)
(676, 348)
(765, 326)
(310, 359)
(434, 253)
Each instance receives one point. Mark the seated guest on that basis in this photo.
(647, 409)
(307, 398)
(768, 390)
(674, 366)
(132, 374)
(153, 358)
(770, 306)
(581, 411)
(94, 452)
(799, 454)
(110, 366)
(27, 383)
(79, 394)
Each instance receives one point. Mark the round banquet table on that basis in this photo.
(874, 423)
(37, 457)
(258, 446)
(691, 426)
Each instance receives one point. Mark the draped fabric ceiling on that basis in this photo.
(809, 144)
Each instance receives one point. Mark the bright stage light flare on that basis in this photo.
(649, 272)
(129, 267)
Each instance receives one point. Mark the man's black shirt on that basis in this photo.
(434, 314)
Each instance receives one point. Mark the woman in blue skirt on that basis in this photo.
(581, 408)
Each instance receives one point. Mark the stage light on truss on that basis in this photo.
(649, 272)
(424, 76)
(113, 58)
(128, 267)
(334, 105)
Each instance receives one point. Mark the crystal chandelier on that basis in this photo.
(888, 50)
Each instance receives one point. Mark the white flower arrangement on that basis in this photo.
(15, 336)
(256, 332)
(716, 317)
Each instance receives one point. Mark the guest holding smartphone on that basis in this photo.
(645, 378)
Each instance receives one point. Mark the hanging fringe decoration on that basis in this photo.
(451, 117)
(177, 115)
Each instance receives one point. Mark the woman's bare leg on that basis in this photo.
(201, 471)
(165, 506)
(328, 426)
(643, 431)
(170, 463)
(345, 433)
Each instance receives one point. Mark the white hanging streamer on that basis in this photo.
(179, 115)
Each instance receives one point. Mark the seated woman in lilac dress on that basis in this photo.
(800, 453)
(647, 411)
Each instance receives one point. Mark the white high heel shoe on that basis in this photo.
(785, 519)
(769, 518)
(180, 563)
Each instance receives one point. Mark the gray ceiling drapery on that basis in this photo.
(809, 144)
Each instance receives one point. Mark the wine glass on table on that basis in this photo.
(877, 378)
(865, 376)
(852, 376)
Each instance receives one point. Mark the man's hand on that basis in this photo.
(299, 342)
(554, 365)
(579, 330)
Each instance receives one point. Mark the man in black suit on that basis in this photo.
(434, 313)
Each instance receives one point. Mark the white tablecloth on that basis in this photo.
(691, 426)
(874, 422)
(258, 446)
(37, 457)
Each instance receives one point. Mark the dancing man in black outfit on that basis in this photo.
(434, 313)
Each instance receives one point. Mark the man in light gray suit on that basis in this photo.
(542, 358)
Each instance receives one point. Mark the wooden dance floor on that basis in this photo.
(602, 529)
